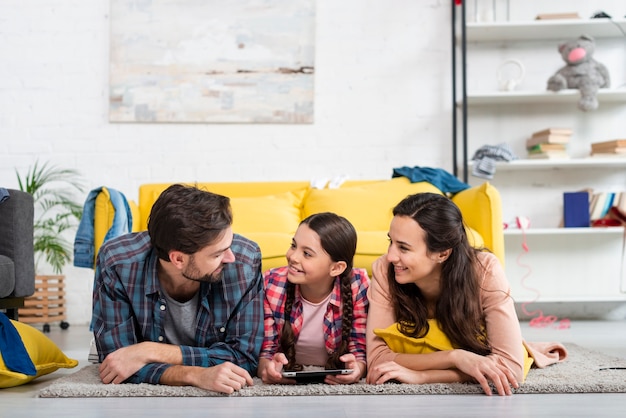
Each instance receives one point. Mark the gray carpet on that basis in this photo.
(584, 371)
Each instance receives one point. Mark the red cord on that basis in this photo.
(539, 321)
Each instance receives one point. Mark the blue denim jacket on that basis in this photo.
(84, 248)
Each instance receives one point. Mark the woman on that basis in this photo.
(316, 306)
(445, 304)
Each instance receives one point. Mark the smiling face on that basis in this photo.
(310, 266)
(409, 255)
(206, 265)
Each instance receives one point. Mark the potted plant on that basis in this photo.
(56, 213)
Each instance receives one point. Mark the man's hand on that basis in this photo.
(225, 378)
(124, 362)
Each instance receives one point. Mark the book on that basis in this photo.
(576, 209)
(544, 146)
(551, 16)
(548, 155)
(614, 150)
(554, 131)
(614, 143)
(599, 200)
(608, 154)
(547, 139)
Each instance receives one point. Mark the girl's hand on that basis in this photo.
(358, 371)
(393, 371)
(270, 371)
(485, 369)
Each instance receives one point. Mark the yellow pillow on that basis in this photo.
(481, 207)
(44, 354)
(434, 341)
(273, 213)
(368, 207)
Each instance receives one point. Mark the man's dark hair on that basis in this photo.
(186, 219)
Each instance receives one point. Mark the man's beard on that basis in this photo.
(192, 273)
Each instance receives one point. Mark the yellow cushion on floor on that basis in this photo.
(43, 352)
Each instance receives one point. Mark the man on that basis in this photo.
(180, 304)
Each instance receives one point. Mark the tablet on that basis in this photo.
(312, 376)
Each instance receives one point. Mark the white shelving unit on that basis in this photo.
(532, 97)
(561, 264)
(566, 264)
(570, 163)
(543, 29)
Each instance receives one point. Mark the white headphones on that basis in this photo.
(510, 75)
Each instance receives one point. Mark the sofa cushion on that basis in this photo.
(368, 207)
(7, 276)
(43, 352)
(273, 213)
(482, 211)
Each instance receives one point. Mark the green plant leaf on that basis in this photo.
(56, 210)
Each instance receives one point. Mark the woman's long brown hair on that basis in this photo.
(338, 238)
(458, 310)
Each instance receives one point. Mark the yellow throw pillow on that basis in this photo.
(273, 213)
(368, 207)
(434, 341)
(44, 354)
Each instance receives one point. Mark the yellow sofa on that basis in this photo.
(269, 212)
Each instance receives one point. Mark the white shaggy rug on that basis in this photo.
(584, 371)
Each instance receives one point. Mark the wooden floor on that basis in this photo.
(605, 336)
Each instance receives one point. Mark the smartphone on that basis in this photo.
(313, 376)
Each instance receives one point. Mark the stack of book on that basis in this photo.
(601, 202)
(549, 143)
(613, 148)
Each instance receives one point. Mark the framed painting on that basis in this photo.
(210, 61)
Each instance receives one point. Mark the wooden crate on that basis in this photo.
(47, 304)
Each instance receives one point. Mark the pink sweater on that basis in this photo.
(503, 329)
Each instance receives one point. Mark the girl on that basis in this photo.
(443, 305)
(316, 306)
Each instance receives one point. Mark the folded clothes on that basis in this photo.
(487, 156)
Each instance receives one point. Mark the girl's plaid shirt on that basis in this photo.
(275, 281)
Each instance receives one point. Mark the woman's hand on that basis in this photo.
(358, 371)
(485, 369)
(270, 371)
(391, 370)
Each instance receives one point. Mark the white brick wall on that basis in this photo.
(382, 100)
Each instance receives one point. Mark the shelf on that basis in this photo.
(529, 164)
(544, 30)
(611, 230)
(538, 97)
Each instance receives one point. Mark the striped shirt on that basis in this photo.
(129, 306)
(274, 307)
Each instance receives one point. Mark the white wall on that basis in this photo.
(382, 100)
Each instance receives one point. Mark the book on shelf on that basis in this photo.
(576, 209)
(552, 16)
(548, 155)
(547, 139)
(545, 146)
(554, 131)
(609, 154)
(601, 202)
(614, 143)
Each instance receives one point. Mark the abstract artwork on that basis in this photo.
(210, 61)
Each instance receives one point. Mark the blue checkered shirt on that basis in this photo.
(128, 301)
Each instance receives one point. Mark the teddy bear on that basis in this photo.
(581, 72)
